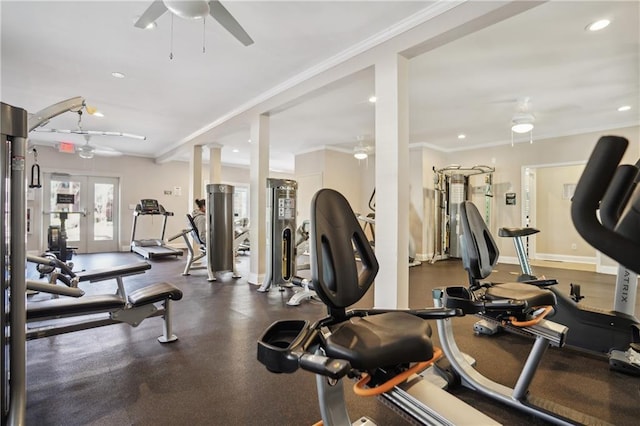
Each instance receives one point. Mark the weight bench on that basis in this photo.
(121, 307)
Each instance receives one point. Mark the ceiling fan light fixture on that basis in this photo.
(522, 123)
(360, 155)
(188, 9)
(522, 127)
(86, 151)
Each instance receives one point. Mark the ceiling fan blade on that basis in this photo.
(222, 15)
(153, 12)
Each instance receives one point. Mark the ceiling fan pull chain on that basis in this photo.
(203, 33)
(171, 47)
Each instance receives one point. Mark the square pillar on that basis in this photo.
(392, 182)
(258, 197)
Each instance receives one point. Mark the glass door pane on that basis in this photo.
(103, 208)
(91, 206)
(66, 202)
(102, 216)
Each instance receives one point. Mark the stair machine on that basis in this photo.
(220, 237)
(380, 347)
(452, 186)
(154, 247)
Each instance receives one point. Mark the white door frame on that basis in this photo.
(528, 179)
(87, 242)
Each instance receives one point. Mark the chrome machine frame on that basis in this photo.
(16, 125)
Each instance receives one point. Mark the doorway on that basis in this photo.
(91, 206)
(547, 192)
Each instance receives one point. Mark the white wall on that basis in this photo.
(326, 168)
(139, 178)
(509, 161)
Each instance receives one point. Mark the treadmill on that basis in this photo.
(151, 248)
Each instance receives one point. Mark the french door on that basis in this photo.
(90, 205)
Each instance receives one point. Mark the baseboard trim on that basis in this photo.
(566, 258)
(610, 270)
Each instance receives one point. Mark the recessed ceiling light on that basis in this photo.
(249, 140)
(98, 114)
(235, 150)
(373, 99)
(462, 136)
(117, 74)
(598, 25)
(624, 108)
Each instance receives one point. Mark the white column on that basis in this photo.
(215, 163)
(195, 176)
(258, 197)
(392, 182)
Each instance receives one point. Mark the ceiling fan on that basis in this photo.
(88, 151)
(523, 119)
(195, 10)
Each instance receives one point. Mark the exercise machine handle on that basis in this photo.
(590, 190)
(330, 367)
(52, 261)
(618, 194)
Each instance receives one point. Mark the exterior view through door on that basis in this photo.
(90, 204)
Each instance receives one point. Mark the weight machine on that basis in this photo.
(451, 188)
(16, 124)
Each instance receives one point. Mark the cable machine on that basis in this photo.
(451, 188)
(281, 230)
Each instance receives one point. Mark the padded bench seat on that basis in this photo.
(113, 272)
(73, 306)
(154, 293)
(517, 232)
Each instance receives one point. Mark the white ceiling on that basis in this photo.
(576, 80)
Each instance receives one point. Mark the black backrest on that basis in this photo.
(335, 233)
(480, 250)
(194, 230)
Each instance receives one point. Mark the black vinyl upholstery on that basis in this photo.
(154, 293)
(71, 306)
(113, 272)
(381, 340)
(366, 342)
(335, 232)
(480, 254)
(481, 251)
(517, 232)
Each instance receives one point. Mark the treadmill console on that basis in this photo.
(149, 206)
